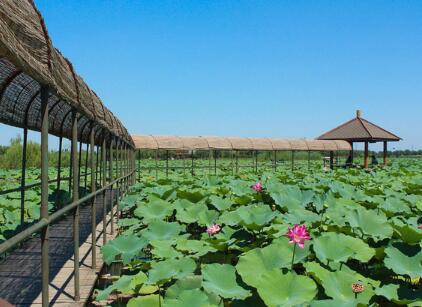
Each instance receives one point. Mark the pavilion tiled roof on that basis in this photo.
(359, 130)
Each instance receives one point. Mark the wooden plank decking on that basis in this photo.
(20, 272)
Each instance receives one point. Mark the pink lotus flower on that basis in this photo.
(213, 229)
(298, 235)
(257, 187)
(420, 226)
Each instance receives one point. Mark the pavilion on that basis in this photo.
(360, 130)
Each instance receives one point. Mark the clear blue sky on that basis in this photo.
(247, 68)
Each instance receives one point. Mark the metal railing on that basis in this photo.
(233, 162)
(121, 176)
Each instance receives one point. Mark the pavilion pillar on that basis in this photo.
(385, 153)
(366, 156)
(331, 160)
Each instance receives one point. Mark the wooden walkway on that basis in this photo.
(20, 272)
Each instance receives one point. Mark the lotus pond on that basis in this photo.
(232, 240)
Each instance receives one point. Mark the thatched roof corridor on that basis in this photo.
(155, 142)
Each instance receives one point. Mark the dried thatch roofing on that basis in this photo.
(235, 143)
(28, 59)
(359, 130)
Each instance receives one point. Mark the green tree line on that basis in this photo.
(11, 156)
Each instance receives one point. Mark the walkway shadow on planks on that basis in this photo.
(20, 272)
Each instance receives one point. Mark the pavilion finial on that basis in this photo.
(358, 113)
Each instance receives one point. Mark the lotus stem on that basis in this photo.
(293, 257)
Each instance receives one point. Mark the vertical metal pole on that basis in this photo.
(99, 165)
(256, 161)
(237, 161)
(70, 169)
(275, 160)
(23, 175)
(293, 160)
(126, 168)
(139, 165)
(75, 197)
(44, 194)
(167, 163)
(192, 163)
(104, 169)
(86, 165)
(184, 163)
(79, 161)
(59, 171)
(309, 160)
(118, 175)
(93, 203)
(215, 162)
(209, 161)
(111, 188)
(331, 160)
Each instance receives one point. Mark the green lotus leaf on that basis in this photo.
(278, 289)
(193, 196)
(187, 283)
(127, 222)
(126, 284)
(160, 230)
(190, 214)
(370, 223)
(221, 204)
(207, 217)
(128, 201)
(300, 216)
(242, 200)
(240, 187)
(291, 197)
(155, 209)
(185, 298)
(276, 230)
(334, 303)
(402, 264)
(127, 247)
(195, 248)
(408, 233)
(152, 300)
(388, 291)
(164, 249)
(221, 280)
(255, 263)
(161, 271)
(211, 180)
(394, 205)
(148, 289)
(221, 240)
(254, 217)
(182, 204)
(230, 218)
(338, 247)
(161, 191)
(338, 285)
